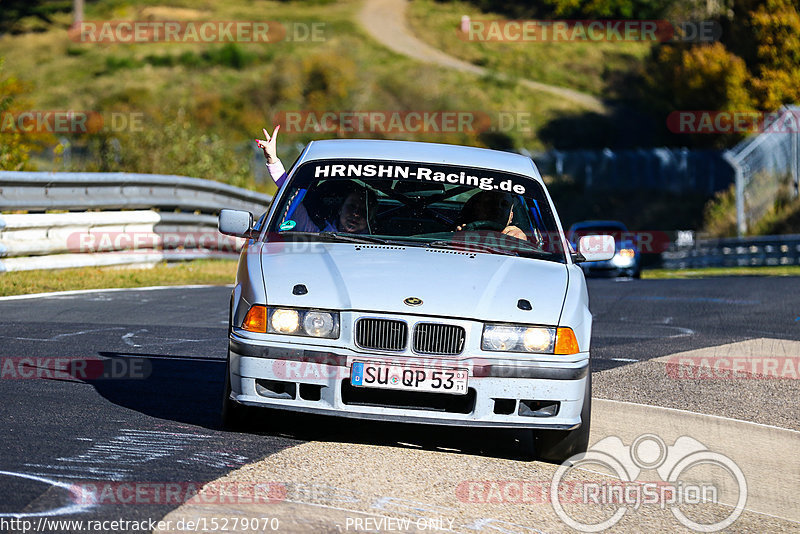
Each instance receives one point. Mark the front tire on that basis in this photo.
(558, 445)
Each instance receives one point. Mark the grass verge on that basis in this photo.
(212, 272)
(222, 272)
(194, 108)
(595, 67)
(778, 270)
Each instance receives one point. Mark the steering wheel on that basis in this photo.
(484, 225)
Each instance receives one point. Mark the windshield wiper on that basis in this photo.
(460, 245)
(360, 238)
(352, 238)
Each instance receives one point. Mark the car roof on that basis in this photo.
(595, 224)
(378, 149)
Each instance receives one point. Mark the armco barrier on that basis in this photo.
(51, 233)
(41, 191)
(183, 228)
(770, 250)
(174, 218)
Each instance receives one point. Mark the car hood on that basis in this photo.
(379, 278)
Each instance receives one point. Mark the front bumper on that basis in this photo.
(503, 392)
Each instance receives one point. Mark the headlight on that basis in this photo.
(532, 339)
(627, 253)
(318, 324)
(292, 321)
(284, 321)
(537, 339)
(298, 322)
(507, 338)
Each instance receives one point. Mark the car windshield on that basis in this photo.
(415, 204)
(597, 230)
(618, 231)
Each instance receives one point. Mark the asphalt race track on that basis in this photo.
(143, 406)
(161, 428)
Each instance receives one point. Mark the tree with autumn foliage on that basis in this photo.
(697, 77)
(766, 34)
(15, 146)
(755, 66)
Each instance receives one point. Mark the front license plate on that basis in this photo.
(409, 377)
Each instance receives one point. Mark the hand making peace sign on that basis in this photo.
(269, 146)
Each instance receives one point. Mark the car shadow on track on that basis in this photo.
(183, 389)
(189, 390)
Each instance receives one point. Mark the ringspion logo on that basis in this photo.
(693, 481)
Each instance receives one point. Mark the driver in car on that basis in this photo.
(489, 210)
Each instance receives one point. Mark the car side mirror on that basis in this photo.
(596, 247)
(236, 223)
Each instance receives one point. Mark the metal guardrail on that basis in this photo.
(185, 225)
(184, 229)
(41, 191)
(770, 250)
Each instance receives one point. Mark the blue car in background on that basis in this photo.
(626, 260)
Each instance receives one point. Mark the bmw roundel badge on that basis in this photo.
(413, 301)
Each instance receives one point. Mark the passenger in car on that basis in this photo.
(357, 206)
(270, 148)
(489, 210)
